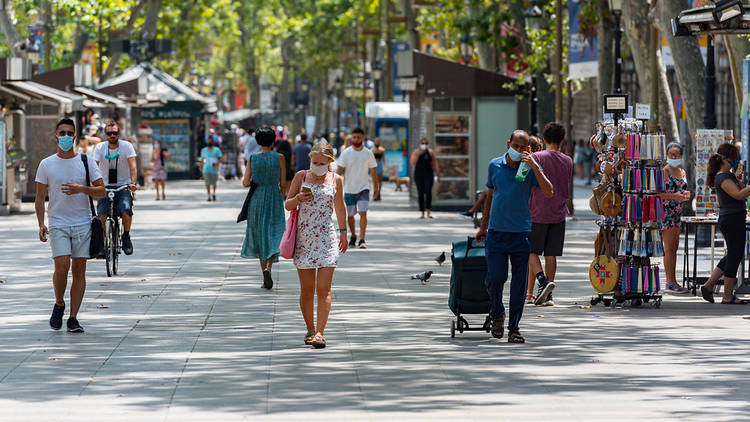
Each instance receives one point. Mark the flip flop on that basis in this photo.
(707, 294)
(309, 337)
(735, 301)
(318, 342)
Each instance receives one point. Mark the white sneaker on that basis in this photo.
(549, 302)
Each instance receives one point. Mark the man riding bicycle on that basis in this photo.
(116, 161)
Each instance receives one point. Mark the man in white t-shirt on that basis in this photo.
(116, 159)
(63, 177)
(357, 164)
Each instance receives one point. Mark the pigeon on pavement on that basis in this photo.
(423, 277)
(440, 259)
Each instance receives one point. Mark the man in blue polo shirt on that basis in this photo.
(506, 214)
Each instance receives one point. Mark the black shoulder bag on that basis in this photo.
(97, 233)
(243, 212)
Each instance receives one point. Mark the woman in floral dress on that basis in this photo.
(317, 193)
(675, 193)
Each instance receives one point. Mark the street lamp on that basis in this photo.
(616, 7)
(466, 49)
(533, 18)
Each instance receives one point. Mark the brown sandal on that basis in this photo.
(498, 327)
(318, 342)
(515, 337)
(309, 337)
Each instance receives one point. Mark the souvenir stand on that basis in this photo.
(625, 269)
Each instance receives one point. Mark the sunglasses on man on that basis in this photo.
(113, 133)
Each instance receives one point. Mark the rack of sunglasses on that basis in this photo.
(636, 159)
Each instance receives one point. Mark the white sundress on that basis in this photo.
(317, 243)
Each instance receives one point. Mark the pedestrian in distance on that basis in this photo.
(265, 216)
(548, 215)
(251, 146)
(62, 176)
(159, 159)
(425, 170)
(535, 144)
(379, 152)
(210, 162)
(506, 224)
(283, 147)
(732, 211)
(318, 193)
(116, 159)
(301, 154)
(675, 193)
(357, 164)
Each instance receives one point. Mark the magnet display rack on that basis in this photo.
(638, 162)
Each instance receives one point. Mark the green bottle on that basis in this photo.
(523, 171)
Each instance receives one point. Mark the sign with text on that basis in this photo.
(582, 43)
(616, 103)
(642, 111)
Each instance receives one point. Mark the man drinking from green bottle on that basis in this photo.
(506, 222)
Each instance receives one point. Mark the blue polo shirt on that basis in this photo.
(510, 198)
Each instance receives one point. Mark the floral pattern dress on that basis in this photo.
(317, 243)
(673, 209)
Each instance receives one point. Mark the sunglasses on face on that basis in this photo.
(113, 133)
(64, 133)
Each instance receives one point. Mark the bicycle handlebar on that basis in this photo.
(123, 187)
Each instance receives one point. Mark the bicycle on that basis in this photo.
(112, 233)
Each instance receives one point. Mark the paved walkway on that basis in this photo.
(186, 333)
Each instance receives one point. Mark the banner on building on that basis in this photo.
(582, 53)
(89, 55)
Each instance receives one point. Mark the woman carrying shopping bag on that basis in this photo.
(319, 241)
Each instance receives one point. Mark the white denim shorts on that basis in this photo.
(70, 240)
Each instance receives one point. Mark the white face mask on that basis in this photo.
(319, 170)
(423, 146)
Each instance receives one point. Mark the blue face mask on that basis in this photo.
(514, 155)
(674, 162)
(65, 142)
(735, 163)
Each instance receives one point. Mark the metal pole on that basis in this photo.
(558, 61)
(618, 56)
(534, 130)
(709, 118)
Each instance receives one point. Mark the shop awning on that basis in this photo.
(235, 116)
(99, 96)
(69, 102)
(146, 81)
(14, 93)
(387, 110)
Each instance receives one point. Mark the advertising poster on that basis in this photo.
(89, 55)
(174, 134)
(452, 150)
(707, 141)
(582, 45)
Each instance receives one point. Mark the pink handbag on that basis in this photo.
(289, 240)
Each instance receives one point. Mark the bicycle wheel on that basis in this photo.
(108, 246)
(115, 246)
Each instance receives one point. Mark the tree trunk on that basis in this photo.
(738, 49)
(9, 31)
(691, 75)
(148, 31)
(287, 58)
(135, 12)
(411, 25)
(606, 62)
(637, 23)
(80, 39)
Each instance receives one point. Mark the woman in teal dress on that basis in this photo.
(265, 214)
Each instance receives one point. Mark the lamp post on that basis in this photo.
(616, 7)
(338, 85)
(377, 73)
(466, 49)
(533, 19)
